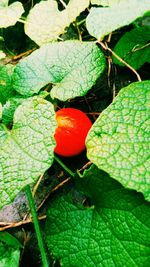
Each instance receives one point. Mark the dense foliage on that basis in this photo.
(93, 208)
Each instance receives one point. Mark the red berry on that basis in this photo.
(72, 128)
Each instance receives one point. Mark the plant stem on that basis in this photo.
(36, 226)
(64, 166)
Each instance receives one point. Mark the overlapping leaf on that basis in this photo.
(6, 90)
(103, 20)
(119, 141)
(9, 109)
(9, 15)
(133, 47)
(26, 150)
(72, 66)
(114, 231)
(45, 22)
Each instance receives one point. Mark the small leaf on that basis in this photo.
(45, 22)
(9, 250)
(9, 240)
(9, 15)
(119, 141)
(133, 48)
(102, 21)
(27, 150)
(72, 66)
(114, 231)
(9, 109)
(6, 90)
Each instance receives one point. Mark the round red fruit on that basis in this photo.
(72, 128)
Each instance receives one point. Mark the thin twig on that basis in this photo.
(89, 163)
(17, 224)
(53, 190)
(105, 46)
(23, 54)
(140, 48)
(37, 185)
(63, 3)
(79, 32)
(109, 37)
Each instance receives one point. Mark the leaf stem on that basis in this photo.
(36, 226)
(64, 166)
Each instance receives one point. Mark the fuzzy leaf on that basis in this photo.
(102, 21)
(72, 66)
(132, 47)
(26, 150)
(114, 231)
(9, 15)
(45, 22)
(119, 141)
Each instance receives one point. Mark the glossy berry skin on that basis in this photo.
(72, 128)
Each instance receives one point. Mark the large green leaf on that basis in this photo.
(6, 90)
(9, 15)
(9, 250)
(72, 66)
(119, 141)
(103, 20)
(114, 231)
(132, 47)
(26, 150)
(45, 22)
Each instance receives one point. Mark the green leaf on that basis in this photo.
(28, 148)
(102, 21)
(6, 90)
(119, 141)
(0, 111)
(9, 240)
(45, 22)
(9, 250)
(72, 66)
(9, 15)
(114, 231)
(133, 48)
(9, 109)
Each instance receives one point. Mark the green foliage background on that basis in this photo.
(87, 55)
